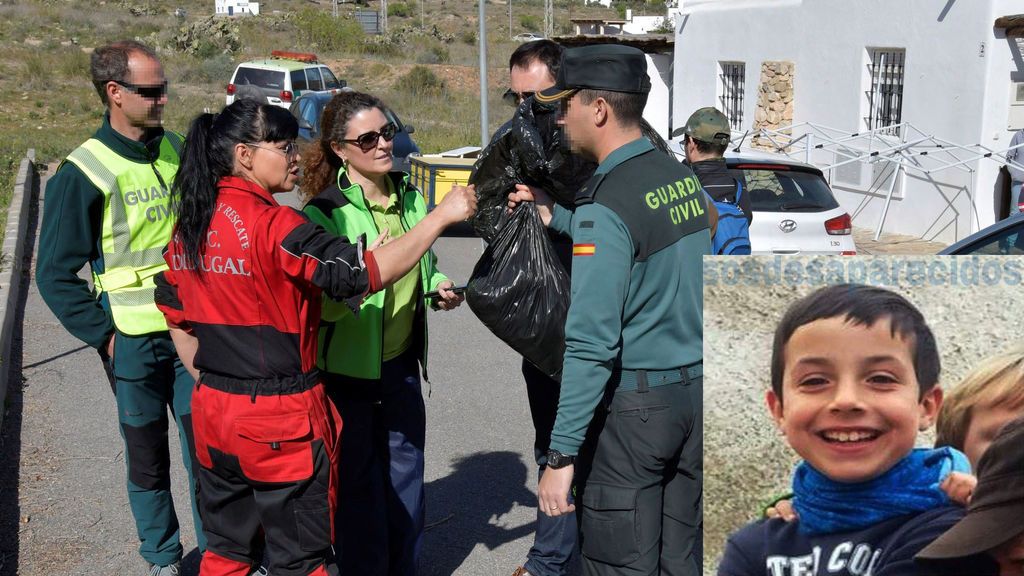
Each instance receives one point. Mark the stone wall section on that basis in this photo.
(774, 99)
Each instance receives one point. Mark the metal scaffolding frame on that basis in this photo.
(902, 145)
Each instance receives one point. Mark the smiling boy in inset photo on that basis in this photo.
(855, 372)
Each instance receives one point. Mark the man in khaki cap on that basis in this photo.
(706, 138)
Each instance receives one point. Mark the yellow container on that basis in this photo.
(435, 176)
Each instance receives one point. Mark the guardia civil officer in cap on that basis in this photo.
(631, 383)
(705, 140)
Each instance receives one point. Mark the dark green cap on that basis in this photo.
(599, 67)
(707, 125)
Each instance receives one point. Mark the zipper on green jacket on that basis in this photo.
(380, 358)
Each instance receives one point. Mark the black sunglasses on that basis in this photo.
(152, 92)
(369, 140)
(515, 98)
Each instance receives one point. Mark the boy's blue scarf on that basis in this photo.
(912, 485)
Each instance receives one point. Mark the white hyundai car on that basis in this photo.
(794, 209)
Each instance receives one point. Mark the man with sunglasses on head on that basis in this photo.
(108, 206)
(533, 67)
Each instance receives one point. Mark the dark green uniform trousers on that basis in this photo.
(642, 483)
(148, 378)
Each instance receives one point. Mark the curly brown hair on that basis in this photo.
(320, 165)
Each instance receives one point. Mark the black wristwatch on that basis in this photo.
(558, 460)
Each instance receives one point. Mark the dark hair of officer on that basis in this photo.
(209, 155)
(717, 150)
(628, 106)
(860, 305)
(545, 51)
(110, 63)
(321, 164)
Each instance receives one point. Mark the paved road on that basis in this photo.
(63, 507)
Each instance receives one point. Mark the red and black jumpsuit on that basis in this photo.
(266, 436)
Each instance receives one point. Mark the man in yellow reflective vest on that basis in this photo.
(108, 206)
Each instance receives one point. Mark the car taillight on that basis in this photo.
(286, 96)
(839, 226)
(231, 89)
(848, 253)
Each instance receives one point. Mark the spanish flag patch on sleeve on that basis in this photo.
(582, 249)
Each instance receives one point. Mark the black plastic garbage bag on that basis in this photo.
(528, 149)
(520, 291)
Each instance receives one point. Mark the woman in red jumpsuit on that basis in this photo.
(242, 298)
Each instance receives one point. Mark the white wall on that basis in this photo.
(659, 68)
(1005, 65)
(950, 91)
(643, 24)
(239, 7)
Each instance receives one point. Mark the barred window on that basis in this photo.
(730, 91)
(885, 96)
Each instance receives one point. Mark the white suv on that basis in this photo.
(794, 209)
(282, 78)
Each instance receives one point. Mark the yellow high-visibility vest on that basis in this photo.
(137, 225)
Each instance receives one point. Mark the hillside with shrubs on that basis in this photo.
(425, 65)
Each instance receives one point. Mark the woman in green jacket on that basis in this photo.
(371, 361)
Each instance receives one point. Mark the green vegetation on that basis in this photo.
(400, 9)
(420, 81)
(425, 69)
(323, 32)
(436, 54)
(665, 27)
(530, 22)
(639, 7)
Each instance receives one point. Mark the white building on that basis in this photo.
(236, 8)
(644, 24)
(944, 66)
(598, 26)
(631, 25)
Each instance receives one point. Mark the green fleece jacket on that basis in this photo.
(352, 345)
(69, 238)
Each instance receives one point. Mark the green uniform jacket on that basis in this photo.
(640, 230)
(70, 237)
(352, 345)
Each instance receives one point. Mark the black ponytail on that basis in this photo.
(194, 193)
(208, 156)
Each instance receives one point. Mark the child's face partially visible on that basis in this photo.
(849, 403)
(1010, 557)
(986, 422)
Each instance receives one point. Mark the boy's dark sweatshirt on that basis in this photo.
(777, 548)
